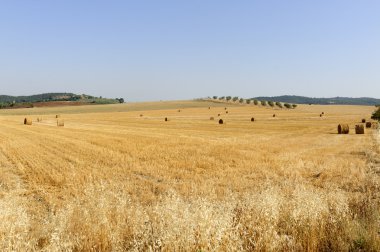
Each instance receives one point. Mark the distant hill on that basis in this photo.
(48, 99)
(323, 101)
(39, 97)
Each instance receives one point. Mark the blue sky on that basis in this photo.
(158, 50)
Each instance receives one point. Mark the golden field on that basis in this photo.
(113, 180)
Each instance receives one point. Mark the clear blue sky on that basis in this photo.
(157, 50)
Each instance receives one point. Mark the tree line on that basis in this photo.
(255, 101)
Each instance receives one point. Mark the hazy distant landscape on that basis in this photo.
(322, 101)
(67, 99)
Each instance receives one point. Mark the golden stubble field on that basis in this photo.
(113, 180)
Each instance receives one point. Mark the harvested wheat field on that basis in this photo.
(111, 180)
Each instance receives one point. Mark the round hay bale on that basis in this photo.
(209, 107)
(60, 123)
(179, 110)
(57, 116)
(343, 129)
(363, 120)
(359, 129)
(220, 121)
(252, 119)
(211, 118)
(218, 114)
(225, 108)
(274, 115)
(323, 113)
(166, 119)
(28, 121)
(368, 125)
(320, 115)
(226, 112)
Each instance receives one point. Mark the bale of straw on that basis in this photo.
(57, 116)
(166, 119)
(225, 108)
(363, 120)
(274, 115)
(252, 119)
(220, 121)
(211, 118)
(141, 115)
(28, 121)
(179, 110)
(323, 113)
(368, 125)
(343, 129)
(209, 107)
(218, 114)
(60, 123)
(226, 112)
(359, 129)
(320, 115)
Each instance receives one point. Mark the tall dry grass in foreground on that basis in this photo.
(118, 181)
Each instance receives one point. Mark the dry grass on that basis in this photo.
(113, 181)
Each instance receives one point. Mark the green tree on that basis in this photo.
(294, 106)
(376, 114)
(228, 98)
(271, 103)
(241, 100)
(235, 98)
(248, 101)
(279, 104)
(215, 97)
(256, 102)
(264, 103)
(287, 105)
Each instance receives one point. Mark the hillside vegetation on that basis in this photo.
(376, 114)
(7, 101)
(321, 101)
